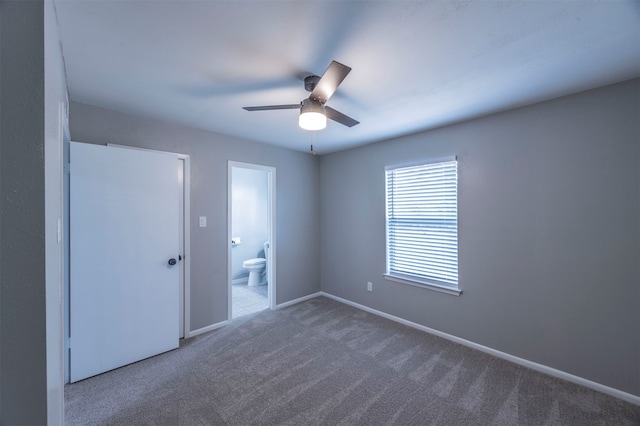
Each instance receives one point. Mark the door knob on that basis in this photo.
(172, 261)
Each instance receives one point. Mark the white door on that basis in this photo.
(124, 228)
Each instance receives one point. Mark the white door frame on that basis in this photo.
(185, 238)
(271, 266)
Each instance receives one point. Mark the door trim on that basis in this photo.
(271, 266)
(186, 236)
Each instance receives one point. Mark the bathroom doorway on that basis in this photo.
(251, 233)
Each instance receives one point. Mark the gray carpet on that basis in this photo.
(321, 362)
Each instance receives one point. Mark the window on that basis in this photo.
(422, 225)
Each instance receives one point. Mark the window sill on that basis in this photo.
(423, 284)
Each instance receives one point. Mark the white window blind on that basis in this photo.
(422, 223)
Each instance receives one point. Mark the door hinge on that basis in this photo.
(67, 343)
(67, 168)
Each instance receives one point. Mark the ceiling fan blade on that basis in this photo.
(272, 107)
(340, 117)
(330, 81)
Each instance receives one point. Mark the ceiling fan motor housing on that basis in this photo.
(311, 105)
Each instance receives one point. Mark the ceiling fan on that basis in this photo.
(313, 111)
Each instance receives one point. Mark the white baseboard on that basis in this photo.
(207, 329)
(298, 300)
(242, 280)
(633, 399)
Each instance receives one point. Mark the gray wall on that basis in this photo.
(297, 202)
(549, 232)
(23, 375)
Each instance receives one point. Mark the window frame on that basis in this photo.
(408, 278)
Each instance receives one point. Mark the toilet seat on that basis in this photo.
(258, 261)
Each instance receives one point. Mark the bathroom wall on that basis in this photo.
(549, 232)
(250, 197)
(297, 203)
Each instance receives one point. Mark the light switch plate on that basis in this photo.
(203, 221)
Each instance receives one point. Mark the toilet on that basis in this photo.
(255, 267)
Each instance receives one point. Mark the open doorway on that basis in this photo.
(251, 229)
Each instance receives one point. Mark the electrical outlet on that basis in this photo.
(369, 286)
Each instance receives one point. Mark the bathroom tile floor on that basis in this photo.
(247, 300)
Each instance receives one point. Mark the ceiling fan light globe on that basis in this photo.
(312, 115)
(312, 120)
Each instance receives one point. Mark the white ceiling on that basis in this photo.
(416, 64)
